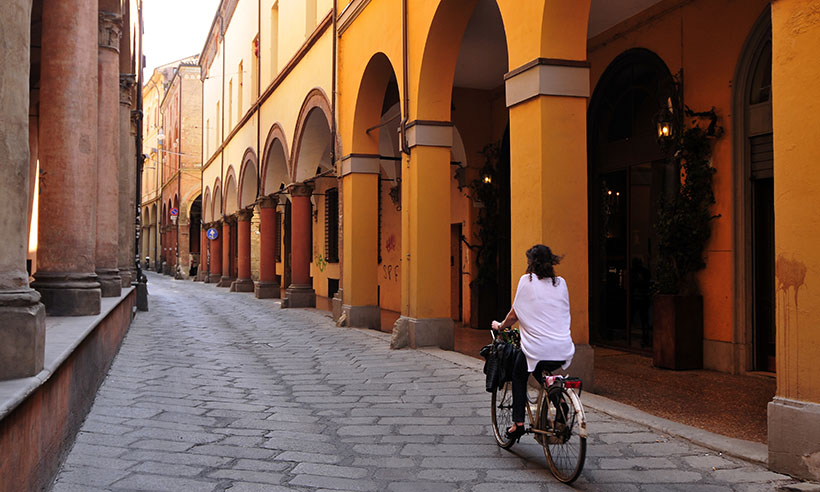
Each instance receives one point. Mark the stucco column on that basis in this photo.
(360, 252)
(267, 286)
(425, 266)
(548, 181)
(243, 283)
(215, 268)
(202, 270)
(794, 414)
(67, 221)
(300, 292)
(108, 153)
(226, 280)
(127, 166)
(22, 316)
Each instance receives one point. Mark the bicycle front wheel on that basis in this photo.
(501, 412)
(566, 448)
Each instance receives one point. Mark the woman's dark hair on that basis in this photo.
(541, 262)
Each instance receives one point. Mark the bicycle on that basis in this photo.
(558, 423)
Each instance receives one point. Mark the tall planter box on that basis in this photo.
(678, 332)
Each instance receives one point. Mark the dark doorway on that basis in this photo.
(759, 163)
(626, 183)
(194, 233)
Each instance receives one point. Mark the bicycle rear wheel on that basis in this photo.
(501, 412)
(566, 448)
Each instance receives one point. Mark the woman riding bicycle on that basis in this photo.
(541, 307)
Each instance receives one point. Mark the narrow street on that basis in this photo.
(215, 391)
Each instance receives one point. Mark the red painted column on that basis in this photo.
(300, 293)
(202, 272)
(215, 268)
(267, 287)
(226, 279)
(67, 227)
(243, 282)
(108, 154)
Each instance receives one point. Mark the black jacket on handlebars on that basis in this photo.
(500, 358)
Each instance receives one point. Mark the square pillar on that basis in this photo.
(794, 414)
(547, 101)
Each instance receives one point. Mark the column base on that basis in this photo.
(362, 316)
(299, 296)
(23, 331)
(242, 285)
(427, 332)
(225, 281)
(110, 282)
(794, 438)
(127, 276)
(166, 268)
(583, 363)
(336, 307)
(213, 278)
(68, 294)
(267, 290)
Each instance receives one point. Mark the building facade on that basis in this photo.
(346, 132)
(171, 189)
(71, 129)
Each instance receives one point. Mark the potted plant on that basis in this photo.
(683, 227)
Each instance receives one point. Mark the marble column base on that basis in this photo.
(23, 332)
(225, 281)
(425, 332)
(68, 294)
(214, 278)
(129, 276)
(267, 290)
(111, 282)
(362, 316)
(794, 438)
(299, 296)
(242, 285)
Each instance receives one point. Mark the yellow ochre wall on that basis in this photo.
(704, 38)
(796, 119)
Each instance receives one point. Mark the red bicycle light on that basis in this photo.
(572, 384)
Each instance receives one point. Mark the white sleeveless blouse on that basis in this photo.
(544, 320)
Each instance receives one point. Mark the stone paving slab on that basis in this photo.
(219, 391)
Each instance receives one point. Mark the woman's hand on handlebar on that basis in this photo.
(496, 325)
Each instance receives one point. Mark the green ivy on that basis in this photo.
(684, 222)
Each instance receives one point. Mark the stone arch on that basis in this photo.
(312, 140)
(746, 327)
(231, 198)
(207, 212)
(369, 103)
(248, 179)
(275, 171)
(217, 201)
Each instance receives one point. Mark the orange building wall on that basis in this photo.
(704, 38)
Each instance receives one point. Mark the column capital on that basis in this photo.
(110, 31)
(244, 215)
(360, 164)
(267, 202)
(428, 133)
(127, 83)
(301, 189)
(547, 77)
(228, 220)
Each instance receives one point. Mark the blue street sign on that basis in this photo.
(212, 234)
(174, 211)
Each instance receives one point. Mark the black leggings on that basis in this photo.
(519, 381)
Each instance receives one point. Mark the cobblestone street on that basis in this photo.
(216, 391)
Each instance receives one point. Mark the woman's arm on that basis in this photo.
(510, 320)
